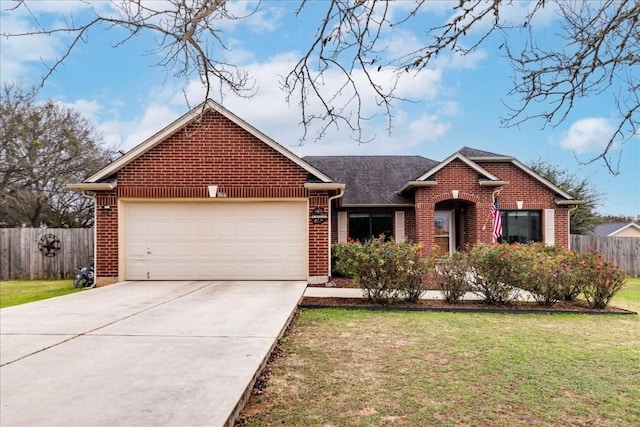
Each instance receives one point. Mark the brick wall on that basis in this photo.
(106, 258)
(473, 204)
(318, 237)
(477, 201)
(533, 194)
(210, 151)
(213, 150)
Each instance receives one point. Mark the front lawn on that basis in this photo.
(629, 296)
(370, 368)
(14, 292)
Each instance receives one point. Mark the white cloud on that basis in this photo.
(88, 109)
(126, 134)
(17, 53)
(413, 124)
(588, 135)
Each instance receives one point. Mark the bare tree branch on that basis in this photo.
(602, 49)
(347, 68)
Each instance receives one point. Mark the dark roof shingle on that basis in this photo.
(472, 152)
(606, 229)
(373, 180)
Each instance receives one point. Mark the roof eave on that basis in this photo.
(417, 184)
(491, 159)
(378, 205)
(93, 186)
(324, 186)
(571, 202)
(490, 183)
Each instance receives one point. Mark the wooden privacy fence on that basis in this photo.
(624, 251)
(44, 253)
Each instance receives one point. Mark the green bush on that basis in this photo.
(452, 275)
(552, 273)
(495, 269)
(600, 279)
(535, 267)
(569, 276)
(388, 271)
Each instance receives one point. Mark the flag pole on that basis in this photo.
(493, 200)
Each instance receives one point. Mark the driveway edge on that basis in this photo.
(244, 398)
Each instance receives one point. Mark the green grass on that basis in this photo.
(629, 296)
(366, 368)
(14, 292)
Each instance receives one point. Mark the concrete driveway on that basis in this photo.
(139, 353)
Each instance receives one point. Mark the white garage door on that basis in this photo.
(215, 240)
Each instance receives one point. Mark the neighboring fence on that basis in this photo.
(624, 251)
(44, 253)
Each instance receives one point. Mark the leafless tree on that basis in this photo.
(599, 51)
(43, 147)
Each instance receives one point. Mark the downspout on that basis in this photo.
(569, 226)
(95, 232)
(337, 196)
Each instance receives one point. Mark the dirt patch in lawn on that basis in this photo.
(462, 306)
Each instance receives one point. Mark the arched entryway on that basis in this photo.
(454, 224)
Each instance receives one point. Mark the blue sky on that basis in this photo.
(459, 100)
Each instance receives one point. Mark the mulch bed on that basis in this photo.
(342, 282)
(521, 307)
(462, 306)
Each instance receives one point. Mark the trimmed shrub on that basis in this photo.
(494, 271)
(535, 271)
(569, 276)
(452, 275)
(600, 279)
(387, 270)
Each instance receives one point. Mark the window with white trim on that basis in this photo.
(521, 226)
(364, 225)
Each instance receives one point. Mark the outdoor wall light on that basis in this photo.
(106, 208)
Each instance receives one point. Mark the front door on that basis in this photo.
(444, 231)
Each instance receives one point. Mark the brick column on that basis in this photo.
(106, 226)
(318, 240)
(425, 216)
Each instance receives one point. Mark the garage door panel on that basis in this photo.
(207, 241)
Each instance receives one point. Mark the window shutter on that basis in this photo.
(342, 227)
(399, 226)
(549, 227)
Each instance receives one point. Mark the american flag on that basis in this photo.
(496, 220)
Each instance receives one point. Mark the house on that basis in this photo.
(447, 203)
(211, 197)
(617, 229)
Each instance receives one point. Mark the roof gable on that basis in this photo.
(187, 119)
(430, 173)
(543, 180)
(479, 157)
(614, 228)
(474, 153)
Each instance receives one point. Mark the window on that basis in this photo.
(520, 226)
(364, 225)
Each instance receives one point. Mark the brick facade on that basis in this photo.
(217, 148)
(473, 203)
(210, 151)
